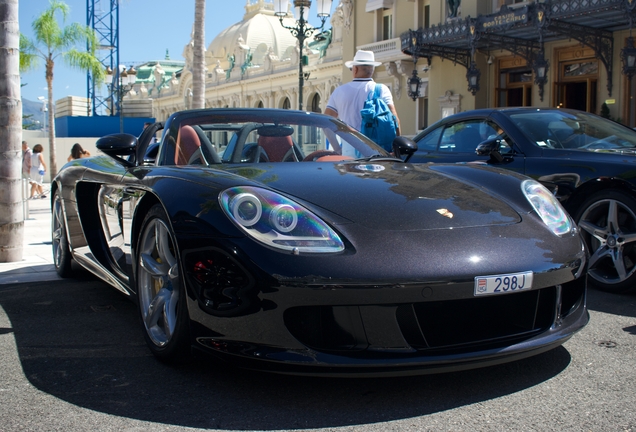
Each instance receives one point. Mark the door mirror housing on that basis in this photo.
(118, 145)
(404, 146)
(491, 147)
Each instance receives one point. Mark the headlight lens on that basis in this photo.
(277, 221)
(547, 207)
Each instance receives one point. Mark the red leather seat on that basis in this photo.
(188, 143)
(276, 147)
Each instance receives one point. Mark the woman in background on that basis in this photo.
(38, 168)
(77, 152)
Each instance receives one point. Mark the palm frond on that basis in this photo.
(85, 61)
(28, 54)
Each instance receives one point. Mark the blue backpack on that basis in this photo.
(378, 122)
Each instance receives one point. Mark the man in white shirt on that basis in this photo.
(347, 100)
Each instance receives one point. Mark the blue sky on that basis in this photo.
(147, 28)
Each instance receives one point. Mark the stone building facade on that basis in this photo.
(254, 63)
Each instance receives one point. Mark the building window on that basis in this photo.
(423, 14)
(315, 104)
(387, 24)
(576, 84)
(580, 68)
(286, 104)
(497, 4)
(514, 87)
(312, 131)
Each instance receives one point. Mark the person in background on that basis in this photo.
(347, 100)
(38, 168)
(77, 152)
(26, 160)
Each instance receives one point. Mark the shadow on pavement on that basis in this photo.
(616, 304)
(80, 341)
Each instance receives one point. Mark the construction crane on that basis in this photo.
(103, 17)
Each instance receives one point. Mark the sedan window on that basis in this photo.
(430, 141)
(464, 137)
(568, 130)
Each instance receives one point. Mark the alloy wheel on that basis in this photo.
(609, 227)
(158, 282)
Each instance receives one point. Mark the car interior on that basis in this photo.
(202, 144)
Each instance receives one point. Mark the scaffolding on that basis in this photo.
(103, 17)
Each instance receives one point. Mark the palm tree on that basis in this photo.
(52, 42)
(11, 217)
(198, 62)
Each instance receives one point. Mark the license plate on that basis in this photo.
(502, 284)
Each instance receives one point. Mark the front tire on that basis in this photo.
(160, 290)
(608, 224)
(61, 251)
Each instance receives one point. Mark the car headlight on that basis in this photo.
(547, 207)
(278, 222)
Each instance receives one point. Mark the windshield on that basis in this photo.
(572, 130)
(229, 136)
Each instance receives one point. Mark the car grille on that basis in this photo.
(457, 325)
(436, 328)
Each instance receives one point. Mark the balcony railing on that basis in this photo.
(386, 50)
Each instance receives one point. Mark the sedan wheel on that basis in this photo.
(160, 291)
(59, 241)
(608, 224)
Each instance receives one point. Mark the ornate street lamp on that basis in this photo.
(120, 83)
(628, 53)
(414, 83)
(302, 30)
(540, 67)
(472, 75)
(628, 57)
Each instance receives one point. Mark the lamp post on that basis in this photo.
(302, 30)
(472, 75)
(414, 83)
(120, 82)
(540, 66)
(628, 57)
(628, 52)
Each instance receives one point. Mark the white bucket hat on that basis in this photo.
(363, 58)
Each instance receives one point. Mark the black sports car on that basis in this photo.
(587, 161)
(331, 257)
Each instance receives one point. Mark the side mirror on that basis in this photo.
(117, 145)
(490, 147)
(404, 146)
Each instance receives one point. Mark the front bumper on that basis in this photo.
(391, 330)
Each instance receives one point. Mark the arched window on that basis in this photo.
(286, 104)
(260, 104)
(312, 137)
(315, 103)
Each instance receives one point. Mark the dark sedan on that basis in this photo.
(588, 162)
(327, 257)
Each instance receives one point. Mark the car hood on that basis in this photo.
(385, 195)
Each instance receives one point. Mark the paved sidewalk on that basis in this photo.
(37, 257)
